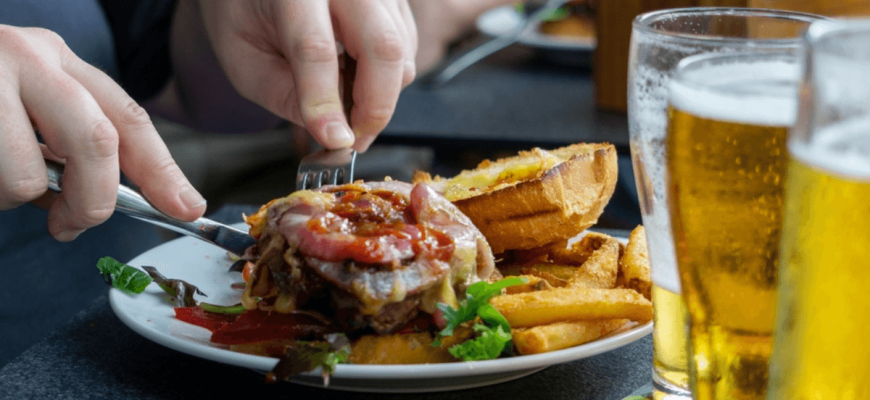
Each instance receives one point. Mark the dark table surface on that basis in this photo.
(515, 97)
(95, 355)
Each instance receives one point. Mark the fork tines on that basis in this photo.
(333, 167)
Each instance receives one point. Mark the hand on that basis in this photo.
(443, 22)
(87, 122)
(282, 55)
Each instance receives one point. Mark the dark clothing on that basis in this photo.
(141, 35)
(45, 282)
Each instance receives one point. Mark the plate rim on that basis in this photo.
(535, 39)
(118, 301)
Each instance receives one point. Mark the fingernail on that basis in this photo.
(191, 198)
(68, 236)
(339, 135)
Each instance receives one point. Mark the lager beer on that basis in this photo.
(670, 360)
(823, 324)
(728, 120)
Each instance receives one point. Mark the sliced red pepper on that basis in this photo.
(257, 326)
(205, 319)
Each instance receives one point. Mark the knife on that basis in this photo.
(133, 204)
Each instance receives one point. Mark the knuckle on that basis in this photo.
(50, 37)
(315, 49)
(379, 116)
(101, 139)
(134, 114)
(387, 46)
(25, 189)
(282, 103)
(163, 170)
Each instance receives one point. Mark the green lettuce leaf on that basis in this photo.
(489, 344)
(122, 276)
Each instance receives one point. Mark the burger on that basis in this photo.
(365, 257)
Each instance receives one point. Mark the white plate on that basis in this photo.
(151, 315)
(502, 20)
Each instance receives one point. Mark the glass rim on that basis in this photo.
(642, 23)
(826, 29)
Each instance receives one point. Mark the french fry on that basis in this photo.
(635, 263)
(602, 265)
(561, 335)
(533, 284)
(572, 304)
(555, 275)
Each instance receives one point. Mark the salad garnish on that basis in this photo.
(493, 334)
(180, 290)
(307, 356)
(122, 276)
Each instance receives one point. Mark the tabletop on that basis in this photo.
(517, 96)
(96, 356)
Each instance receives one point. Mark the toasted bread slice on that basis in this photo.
(537, 197)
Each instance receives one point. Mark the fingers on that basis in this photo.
(380, 49)
(75, 129)
(309, 45)
(22, 172)
(143, 156)
(401, 13)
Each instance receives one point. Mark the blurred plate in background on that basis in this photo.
(572, 50)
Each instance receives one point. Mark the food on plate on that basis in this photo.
(635, 263)
(561, 335)
(535, 198)
(405, 273)
(406, 348)
(575, 20)
(363, 256)
(575, 293)
(533, 209)
(572, 304)
(592, 261)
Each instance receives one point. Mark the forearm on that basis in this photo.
(199, 94)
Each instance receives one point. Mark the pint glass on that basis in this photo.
(659, 40)
(729, 115)
(823, 318)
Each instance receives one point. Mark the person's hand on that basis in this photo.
(443, 22)
(87, 122)
(281, 54)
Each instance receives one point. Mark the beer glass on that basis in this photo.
(659, 40)
(823, 316)
(729, 115)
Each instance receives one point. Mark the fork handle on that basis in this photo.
(133, 204)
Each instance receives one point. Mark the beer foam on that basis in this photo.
(843, 149)
(758, 93)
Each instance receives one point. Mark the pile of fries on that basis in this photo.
(576, 292)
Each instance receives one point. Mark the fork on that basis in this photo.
(133, 204)
(332, 167)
